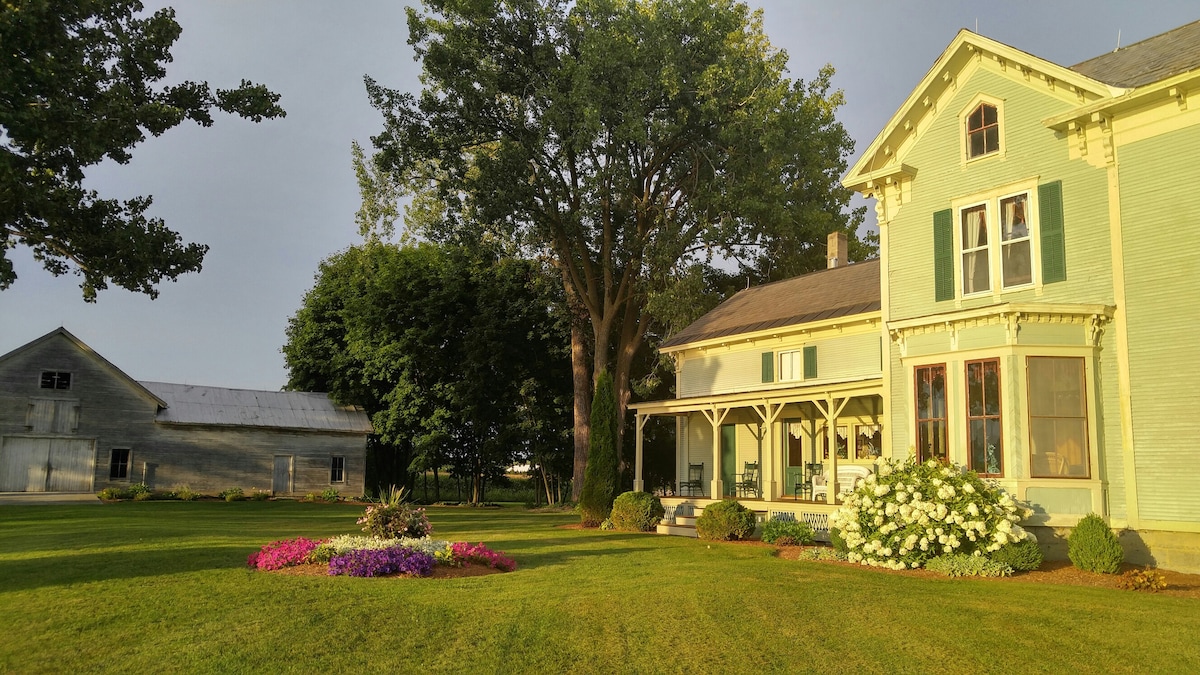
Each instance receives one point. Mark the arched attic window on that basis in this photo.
(983, 131)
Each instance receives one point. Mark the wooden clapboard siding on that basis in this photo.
(1161, 243)
(852, 352)
(1031, 152)
(113, 411)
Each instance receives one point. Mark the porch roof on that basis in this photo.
(866, 386)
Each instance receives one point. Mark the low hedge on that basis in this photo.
(726, 520)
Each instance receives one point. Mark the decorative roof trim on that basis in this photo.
(942, 76)
(868, 317)
(1173, 88)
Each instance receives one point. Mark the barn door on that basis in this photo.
(23, 464)
(71, 466)
(281, 477)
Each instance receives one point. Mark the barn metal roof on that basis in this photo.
(190, 404)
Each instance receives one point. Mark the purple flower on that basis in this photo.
(378, 562)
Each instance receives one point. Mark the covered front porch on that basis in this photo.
(783, 451)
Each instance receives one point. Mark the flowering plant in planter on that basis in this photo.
(908, 513)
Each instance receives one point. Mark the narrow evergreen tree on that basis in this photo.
(600, 479)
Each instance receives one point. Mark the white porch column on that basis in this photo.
(715, 417)
(637, 453)
(831, 408)
(772, 460)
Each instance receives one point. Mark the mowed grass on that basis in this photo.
(162, 587)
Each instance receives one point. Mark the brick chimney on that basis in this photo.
(838, 252)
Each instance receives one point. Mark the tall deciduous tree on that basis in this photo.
(458, 357)
(78, 86)
(628, 141)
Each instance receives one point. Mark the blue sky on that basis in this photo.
(273, 199)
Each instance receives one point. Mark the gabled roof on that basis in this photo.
(817, 296)
(885, 156)
(100, 360)
(190, 404)
(1156, 58)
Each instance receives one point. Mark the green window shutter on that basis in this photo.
(1050, 224)
(768, 366)
(943, 255)
(810, 362)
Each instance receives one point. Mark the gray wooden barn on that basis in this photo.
(70, 421)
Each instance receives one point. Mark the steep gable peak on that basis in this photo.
(883, 161)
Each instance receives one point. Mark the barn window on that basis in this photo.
(337, 470)
(52, 379)
(118, 466)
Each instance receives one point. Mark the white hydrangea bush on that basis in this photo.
(906, 513)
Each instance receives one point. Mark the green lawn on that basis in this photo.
(161, 586)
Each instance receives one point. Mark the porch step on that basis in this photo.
(679, 530)
(690, 521)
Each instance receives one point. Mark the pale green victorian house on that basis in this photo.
(1039, 286)
(1041, 281)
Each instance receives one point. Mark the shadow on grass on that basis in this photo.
(561, 557)
(80, 568)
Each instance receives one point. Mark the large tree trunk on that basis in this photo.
(581, 373)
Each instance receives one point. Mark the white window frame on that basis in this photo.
(964, 116)
(995, 246)
(796, 356)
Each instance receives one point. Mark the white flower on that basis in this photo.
(968, 488)
(972, 509)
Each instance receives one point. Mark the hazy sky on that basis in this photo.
(273, 199)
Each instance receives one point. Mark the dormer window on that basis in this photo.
(983, 131)
(55, 380)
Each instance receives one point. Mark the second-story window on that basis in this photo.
(983, 131)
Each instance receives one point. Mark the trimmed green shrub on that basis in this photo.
(1093, 547)
(140, 491)
(789, 532)
(600, 477)
(963, 565)
(726, 520)
(637, 511)
(330, 495)
(1022, 556)
(607, 524)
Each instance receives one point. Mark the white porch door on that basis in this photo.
(46, 465)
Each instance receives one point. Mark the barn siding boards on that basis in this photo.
(1161, 245)
(106, 410)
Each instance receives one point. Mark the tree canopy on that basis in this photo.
(638, 145)
(459, 357)
(79, 83)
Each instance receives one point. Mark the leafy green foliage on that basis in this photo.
(233, 494)
(185, 493)
(823, 553)
(788, 532)
(837, 541)
(1022, 556)
(1143, 580)
(726, 520)
(457, 355)
(392, 518)
(601, 477)
(637, 511)
(80, 83)
(638, 144)
(963, 565)
(1093, 547)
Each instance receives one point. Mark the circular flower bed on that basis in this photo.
(908, 513)
(373, 557)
